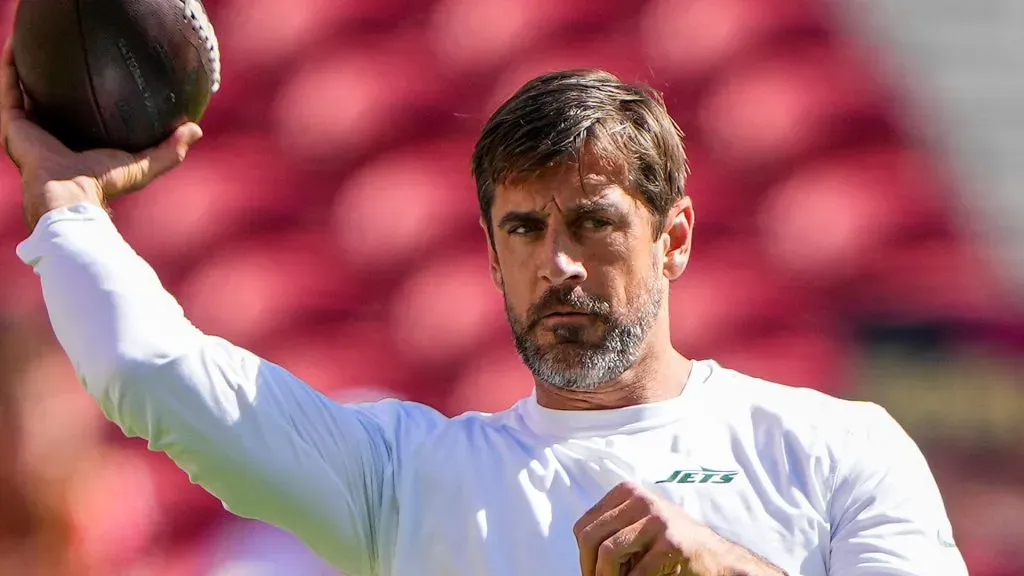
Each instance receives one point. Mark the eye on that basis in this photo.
(595, 223)
(522, 229)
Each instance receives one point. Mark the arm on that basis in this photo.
(887, 514)
(267, 445)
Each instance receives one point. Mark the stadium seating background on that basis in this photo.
(328, 222)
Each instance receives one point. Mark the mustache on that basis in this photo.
(566, 298)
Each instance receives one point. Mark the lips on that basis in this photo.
(565, 312)
(558, 315)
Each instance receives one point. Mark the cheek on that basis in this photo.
(518, 267)
(608, 261)
(621, 266)
(515, 287)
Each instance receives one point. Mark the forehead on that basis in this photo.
(567, 183)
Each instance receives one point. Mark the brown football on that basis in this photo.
(115, 73)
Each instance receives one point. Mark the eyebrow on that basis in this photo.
(581, 208)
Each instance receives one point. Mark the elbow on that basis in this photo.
(105, 378)
(204, 387)
(110, 375)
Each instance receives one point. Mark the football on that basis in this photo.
(115, 73)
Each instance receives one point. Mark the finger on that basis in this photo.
(660, 560)
(590, 534)
(591, 538)
(172, 151)
(613, 499)
(149, 164)
(635, 539)
(11, 97)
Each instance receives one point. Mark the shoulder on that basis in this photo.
(865, 474)
(838, 437)
(401, 421)
(409, 424)
(772, 406)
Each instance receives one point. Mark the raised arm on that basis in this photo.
(263, 442)
(252, 434)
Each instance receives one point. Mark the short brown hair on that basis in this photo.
(551, 117)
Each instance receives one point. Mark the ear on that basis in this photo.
(492, 258)
(677, 237)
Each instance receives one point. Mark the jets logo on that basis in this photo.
(700, 475)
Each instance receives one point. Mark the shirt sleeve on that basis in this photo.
(887, 514)
(267, 445)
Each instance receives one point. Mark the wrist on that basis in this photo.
(41, 198)
(731, 559)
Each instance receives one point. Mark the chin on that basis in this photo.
(569, 349)
(575, 380)
(573, 367)
(572, 334)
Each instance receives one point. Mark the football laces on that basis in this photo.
(195, 14)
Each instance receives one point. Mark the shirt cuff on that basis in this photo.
(47, 229)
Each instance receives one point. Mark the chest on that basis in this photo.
(507, 510)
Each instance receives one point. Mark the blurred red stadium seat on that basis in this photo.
(929, 280)
(728, 292)
(258, 32)
(805, 357)
(49, 391)
(771, 113)
(335, 358)
(614, 52)
(492, 382)
(227, 186)
(985, 515)
(19, 288)
(254, 287)
(10, 200)
(404, 202)
(721, 202)
(113, 540)
(689, 40)
(474, 35)
(341, 103)
(835, 215)
(7, 16)
(447, 310)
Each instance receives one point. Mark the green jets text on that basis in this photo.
(700, 476)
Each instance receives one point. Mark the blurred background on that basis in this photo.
(860, 230)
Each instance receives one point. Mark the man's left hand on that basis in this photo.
(633, 531)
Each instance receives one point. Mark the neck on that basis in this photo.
(659, 374)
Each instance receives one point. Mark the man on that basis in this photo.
(628, 459)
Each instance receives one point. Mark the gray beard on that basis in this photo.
(574, 364)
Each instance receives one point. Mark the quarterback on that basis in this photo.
(628, 457)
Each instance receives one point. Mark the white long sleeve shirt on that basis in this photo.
(814, 484)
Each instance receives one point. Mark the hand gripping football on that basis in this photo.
(115, 73)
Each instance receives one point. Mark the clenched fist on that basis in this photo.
(633, 531)
(53, 176)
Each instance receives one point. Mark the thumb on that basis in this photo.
(147, 165)
(170, 152)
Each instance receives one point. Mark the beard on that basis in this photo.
(572, 361)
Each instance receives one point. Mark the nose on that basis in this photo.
(560, 265)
